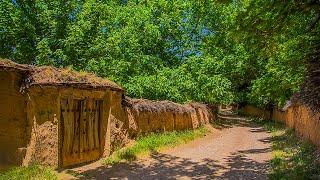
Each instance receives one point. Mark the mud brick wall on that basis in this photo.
(305, 121)
(301, 118)
(145, 116)
(48, 128)
(12, 119)
(256, 112)
(118, 123)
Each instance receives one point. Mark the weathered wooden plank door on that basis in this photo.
(80, 123)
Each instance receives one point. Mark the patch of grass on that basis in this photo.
(155, 142)
(293, 158)
(34, 172)
(269, 125)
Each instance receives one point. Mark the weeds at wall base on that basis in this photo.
(293, 157)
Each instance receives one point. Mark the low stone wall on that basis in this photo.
(145, 116)
(305, 121)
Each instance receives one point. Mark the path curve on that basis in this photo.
(236, 149)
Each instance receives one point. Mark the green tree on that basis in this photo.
(242, 51)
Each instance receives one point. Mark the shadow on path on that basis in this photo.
(239, 164)
(223, 122)
(242, 167)
(164, 166)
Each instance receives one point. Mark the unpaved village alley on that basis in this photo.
(235, 149)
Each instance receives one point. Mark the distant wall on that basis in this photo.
(257, 112)
(145, 116)
(305, 121)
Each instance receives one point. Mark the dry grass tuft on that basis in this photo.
(144, 105)
(8, 65)
(48, 75)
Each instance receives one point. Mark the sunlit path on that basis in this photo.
(235, 149)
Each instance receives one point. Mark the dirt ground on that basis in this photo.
(236, 149)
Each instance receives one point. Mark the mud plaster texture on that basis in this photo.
(38, 130)
(44, 118)
(31, 110)
(303, 119)
(298, 116)
(145, 116)
(32, 121)
(12, 119)
(119, 123)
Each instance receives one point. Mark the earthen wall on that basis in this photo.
(299, 117)
(12, 119)
(147, 120)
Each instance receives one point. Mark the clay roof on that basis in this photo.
(47, 75)
(51, 76)
(8, 65)
(156, 106)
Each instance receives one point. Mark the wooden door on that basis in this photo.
(80, 130)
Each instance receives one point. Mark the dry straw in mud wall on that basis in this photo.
(55, 117)
(146, 116)
(298, 116)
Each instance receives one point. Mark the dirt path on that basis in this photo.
(235, 150)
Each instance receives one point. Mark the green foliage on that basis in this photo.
(154, 142)
(293, 158)
(188, 82)
(264, 44)
(211, 51)
(32, 172)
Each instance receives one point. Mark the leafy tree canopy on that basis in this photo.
(251, 51)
